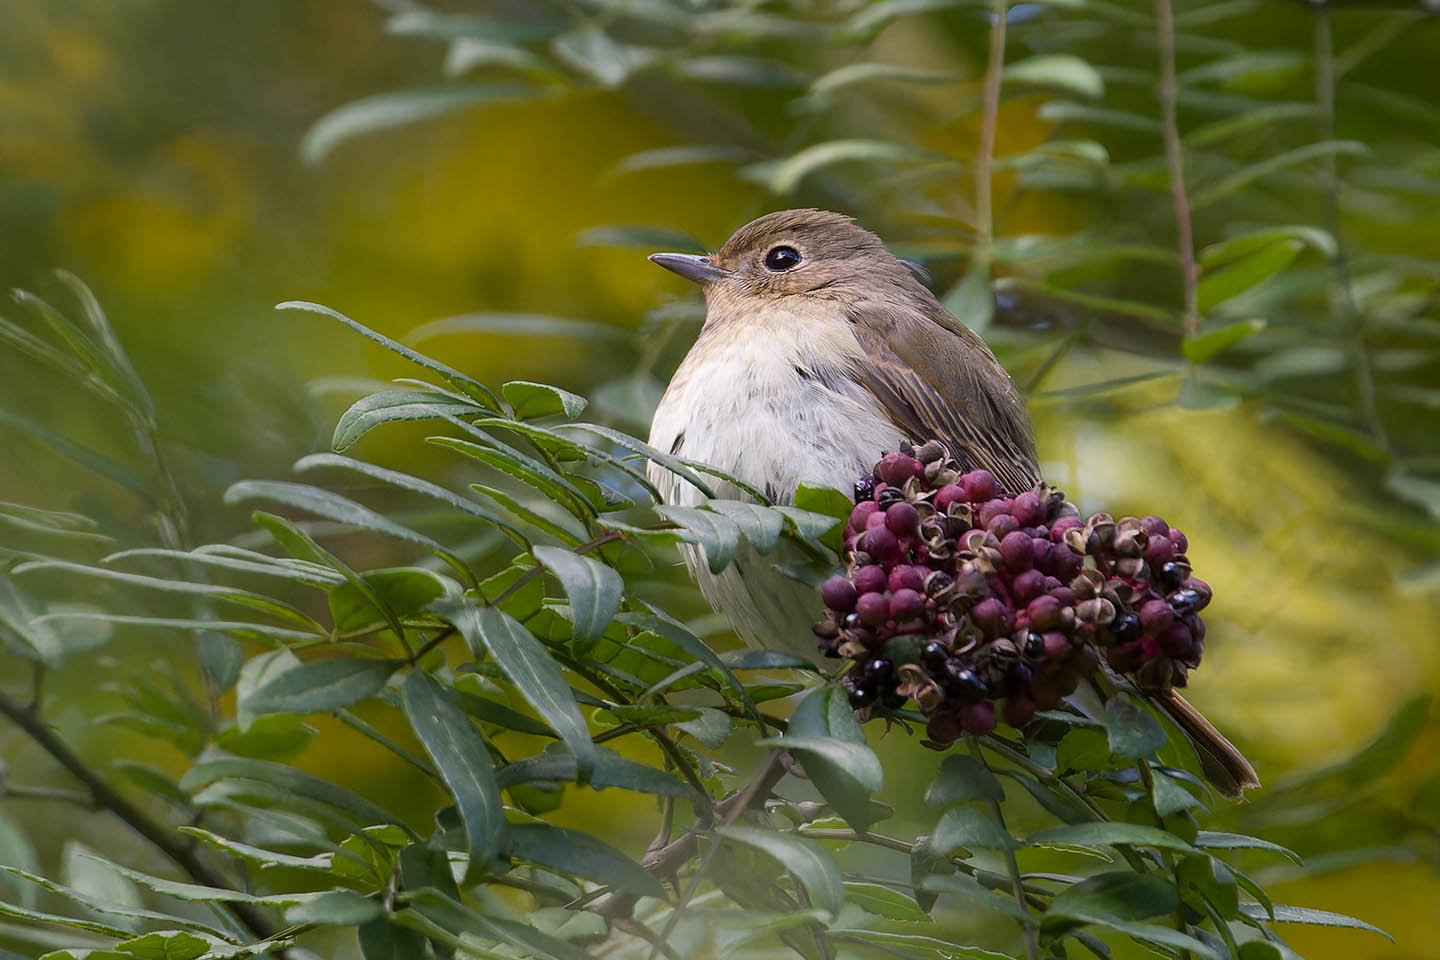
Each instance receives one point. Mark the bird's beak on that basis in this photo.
(701, 270)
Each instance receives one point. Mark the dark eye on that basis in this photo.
(782, 258)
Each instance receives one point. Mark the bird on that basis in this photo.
(820, 350)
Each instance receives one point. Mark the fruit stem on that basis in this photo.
(1011, 863)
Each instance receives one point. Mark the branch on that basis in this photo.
(1031, 949)
(1175, 161)
(105, 797)
(994, 67)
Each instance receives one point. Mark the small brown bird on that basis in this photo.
(820, 350)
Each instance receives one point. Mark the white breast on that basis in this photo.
(770, 402)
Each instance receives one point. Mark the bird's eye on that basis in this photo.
(782, 258)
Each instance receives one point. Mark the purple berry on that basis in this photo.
(944, 727)
(905, 576)
(991, 509)
(1061, 526)
(1017, 550)
(1027, 586)
(880, 543)
(906, 603)
(988, 615)
(1044, 613)
(839, 594)
(902, 519)
(1003, 525)
(1156, 615)
(979, 485)
(978, 719)
(861, 513)
(869, 578)
(1159, 550)
(1155, 527)
(948, 494)
(896, 468)
(1182, 545)
(1057, 645)
(1019, 710)
(1028, 509)
(1175, 641)
(874, 608)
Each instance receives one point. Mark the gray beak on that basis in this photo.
(701, 270)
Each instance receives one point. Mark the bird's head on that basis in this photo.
(793, 253)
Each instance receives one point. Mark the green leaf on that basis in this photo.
(1234, 182)
(1170, 797)
(488, 711)
(517, 324)
(340, 509)
(335, 908)
(832, 751)
(1217, 840)
(594, 590)
(92, 878)
(808, 861)
(467, 385)
(464, 763)
(683, 156)
(1096, 835)
(289, 780)
(1133, 733)
(260, 857)
(1057, 71)
(1203, 878)
(678, 634)
(963, 778)
(525, 662)
(674, 464)
(1120, 896)
(1240, 275)
(396, 108)
(611, 770)
(16, 851)
(711, 728)
(972, 300)
(1202, 347)
(549, 482)
(532, 400)
(885, 902)
(1319, 918)
(1084, 748)
(578, 853)
(969, 826)
(1260, 950)
(760, 525)
(322, 685)
(871, 72)
(400, 592)
(786, 175)
(717, 535)
(562, 528)
(390, 406)
(1251, 242)
(125, 910)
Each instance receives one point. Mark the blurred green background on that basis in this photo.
(154, 148)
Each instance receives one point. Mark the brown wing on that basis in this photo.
(938, 380)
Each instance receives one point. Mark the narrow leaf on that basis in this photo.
(810, 863)
(594, 589)
(322, 685)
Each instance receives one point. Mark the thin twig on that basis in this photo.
(989, 118)
(179, 850)
(1013, 865)
(1175, 162)
(21, 791)
(1353, 321)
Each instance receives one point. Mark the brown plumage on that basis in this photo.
(820, 350)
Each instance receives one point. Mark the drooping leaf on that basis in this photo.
(760, 525)
(396, 108)
(1321, 918)
(594, 589)
(525, 662)
(717, 534)
(392, 406)
(787, 175)
(968, 826)
(808, 861)
(962, 778)
(531, 400)
(464, 762)
(1123, 896)
(1057, 71)
(885, 902)
(1219, 840)
(611, 770)
(1133, 733)
(322, 685)
(1095, 835)
(578, 853)
(288, 780)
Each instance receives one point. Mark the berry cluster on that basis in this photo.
(958, 597)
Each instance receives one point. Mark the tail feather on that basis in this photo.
(1224, 765)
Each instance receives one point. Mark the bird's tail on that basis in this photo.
(1224, 765)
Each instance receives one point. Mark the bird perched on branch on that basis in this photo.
(820, 350)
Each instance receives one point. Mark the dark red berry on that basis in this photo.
(944, 727)
(1156, 615)
(869, 578)
(1019, 711)
(906, 603)
(874, 608)
(1028, 509)
(988, 615)
(1175, 640)
(1182, 545)
(1003, 525)
(948, 494)
(979, 485)
(978, 719)
(896, 468)
(1061, 526)
(1159, 550)
(861, 513)
(1017, 550)
(905, 576)
(989, 510)
(902, 519)
(880, 543)
(1057, 645)
(1044, 613)
(1027, 586)
(1155, 527)
(838, 593)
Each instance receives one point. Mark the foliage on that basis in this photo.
(566, 655)
(533, 633)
